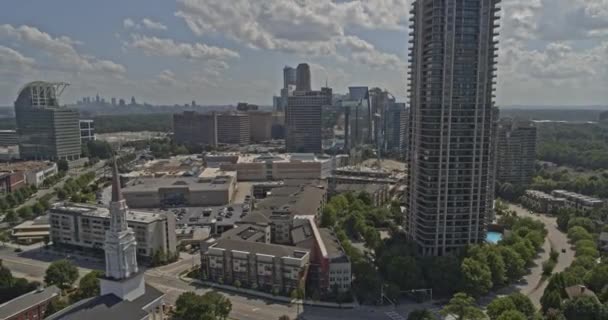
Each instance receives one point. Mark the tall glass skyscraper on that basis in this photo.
(46, 130)
(452, 121)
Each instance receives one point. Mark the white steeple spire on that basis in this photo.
(120, 245)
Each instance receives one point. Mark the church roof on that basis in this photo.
(109, 306)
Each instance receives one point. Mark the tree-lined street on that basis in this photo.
(533, 284)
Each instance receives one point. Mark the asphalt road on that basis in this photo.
(534, 286)
(98, 168)
(32, 264)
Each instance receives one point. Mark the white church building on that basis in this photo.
(124, 294)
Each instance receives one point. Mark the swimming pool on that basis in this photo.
(493, 237)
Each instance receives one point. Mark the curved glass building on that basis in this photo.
(46, 131)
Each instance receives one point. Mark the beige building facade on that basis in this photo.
(85, 226)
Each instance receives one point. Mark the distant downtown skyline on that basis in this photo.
(172, 52)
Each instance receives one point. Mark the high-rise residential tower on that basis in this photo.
(303, 77)
(46, 130)
(516, 152)
(452, 123)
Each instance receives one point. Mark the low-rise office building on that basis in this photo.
(364, 175)
(182, 191)
(542, 202)
(330, 267)
(192, 235)
(32, 231)
(293, 199)
(35, 171)
(11, 181)
(218, 219)
(264, 167)
(256, 265)
(29, 306)
(578, 201)
(84, 227)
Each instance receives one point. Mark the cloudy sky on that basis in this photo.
(553, 52)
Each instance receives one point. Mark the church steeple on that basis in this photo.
(120, 245)
(116, 190)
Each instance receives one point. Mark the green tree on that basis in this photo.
(88, 286)
(512, 315)
(499, 306)
(6, 277)
(578, 233)
(54, 306)
(10, 200)
(159, 258)
(585, 244)
(63, 165)
(62, 194)
(297, 294)
(476, 276)
(19, 197)
(61, 273)
(551, 300)
(365, 197)
(462, 307)
(190, 306)
(223, 306)
(328, 218)
(443, 274)
(11, 287)
(523, 304)
(422, 314)
(38, 208)
(11, 216)
(554, 314)
(3, 238)
(514, 264)
(597, 279)
(99, 149)
(583, 222)
(583, 308)
(405, 272)
(25, 212)
(497, 266)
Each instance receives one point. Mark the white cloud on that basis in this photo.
(153, 24)
(166, 78)
(146, 23)
(129, 23)
(60, 50)
(305, 27)
(168, 47)
(11, 59)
